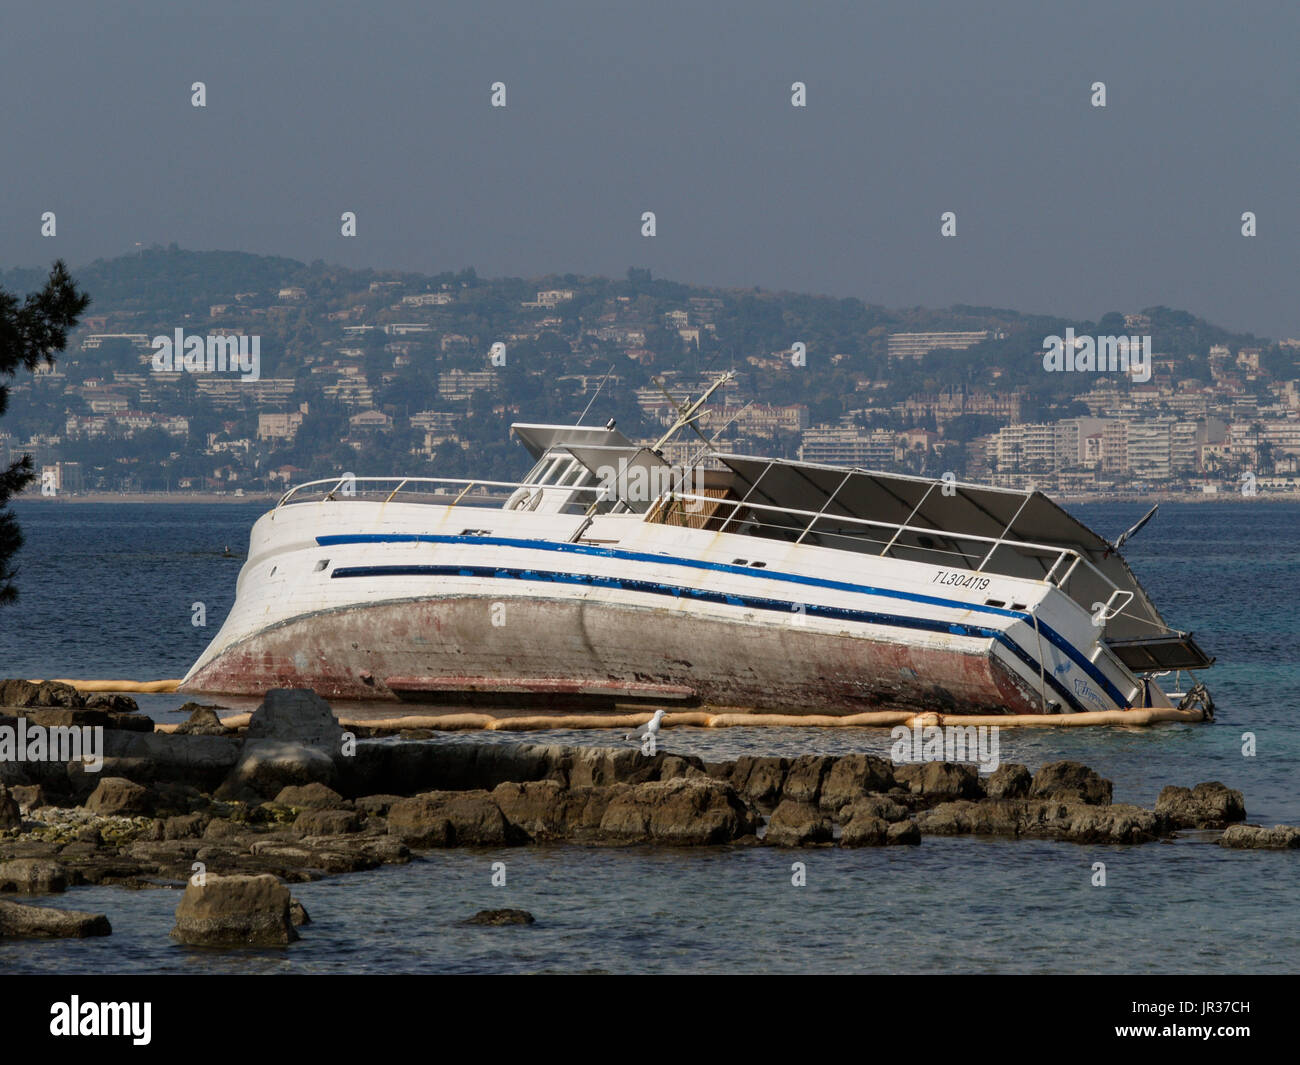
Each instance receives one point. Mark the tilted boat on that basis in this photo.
(607, 576)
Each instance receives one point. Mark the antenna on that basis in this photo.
(593, 398)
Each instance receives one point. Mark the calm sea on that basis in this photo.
(108, 590)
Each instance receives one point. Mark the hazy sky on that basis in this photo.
(914, 108)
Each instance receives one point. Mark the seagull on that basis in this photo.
(650, 728)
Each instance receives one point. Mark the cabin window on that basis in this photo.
(995, 602)
(476, 532)
(322, 564)
(757, 565)
(1017, 606)
(740, 562)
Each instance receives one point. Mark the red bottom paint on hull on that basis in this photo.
(586, 649)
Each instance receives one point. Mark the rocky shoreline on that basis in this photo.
(292, 797)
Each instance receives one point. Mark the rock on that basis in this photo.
(220, 828)
(314, 796)
(268, 766)
(113, 702)
(501, 917)
(117, 795)
(1070, 782)
(797, 824)
(803, 782)
(853, 776)
(42, 693)
(902, 833)
(186, 826)
(32, 876)
(230, 911)
(327, 823)
(203, 721)
(878, 806)
(1118, 823)
(1010, 781)
(296, 715)
(10, 814)
(28, 797)
(691, 810)
(451, 819)
(1208, 805)
(1254, 837)
(298, 914)
(20, 921)
(1078, 822)
(864, 831)
(760, 779)
(546, 810)
(375, 805)
(940, 780)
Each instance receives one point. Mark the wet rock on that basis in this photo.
(853, 776)
(222, 828)
(902, 833)
(501, 917)
(44, 693)
(311, 797)
(229, 911)
(32, 876)
(1255, 837)
(450, 819)
(940, 780)
(10, 814)
(1078, 822)
(864, 831)
(203, 721)
(879, 806)
(117, 795)
(1208, 805)
(695, 810)
(192, 761)
(298, 914)
(803, 782)
(19, 921)
(797, 824)
(327, 823)
(760, 779)
(546, 810)
(1071, 782)
(1010, 781)
(113, 702)
(673, 766)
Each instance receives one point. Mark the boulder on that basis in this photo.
(32, 876)
(864, 831)
(113, 702)
(451, 819)
(902, 833)
(797, 824)
(688, 810)
(853, 776)
(546, 810)
(267, 766)
(940, 780)
(231, 911)
(327, 823)
(1208, 805)
(760, 779)
(10, 813)
(803, 781)
(203, 721)
(298, 914)
(501, 917)
(40, 693)
(375, 805)
(315, 796)
(299, 716)
(119, 796)
(28, 797)
(1255, 837)
(878, 806)
(1010, 781)
(1070, 782)
(186, 826)
(19, 921)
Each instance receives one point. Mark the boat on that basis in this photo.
(608, 577)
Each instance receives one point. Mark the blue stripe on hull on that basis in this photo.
(1048, 633)
(707, 596)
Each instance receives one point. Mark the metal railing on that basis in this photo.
(997, 543)
(446, 491)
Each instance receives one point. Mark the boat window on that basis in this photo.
(757, 565)
(740, 562)
(322, 564)
(1017, 606)
(476, 532)
(995, 602)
